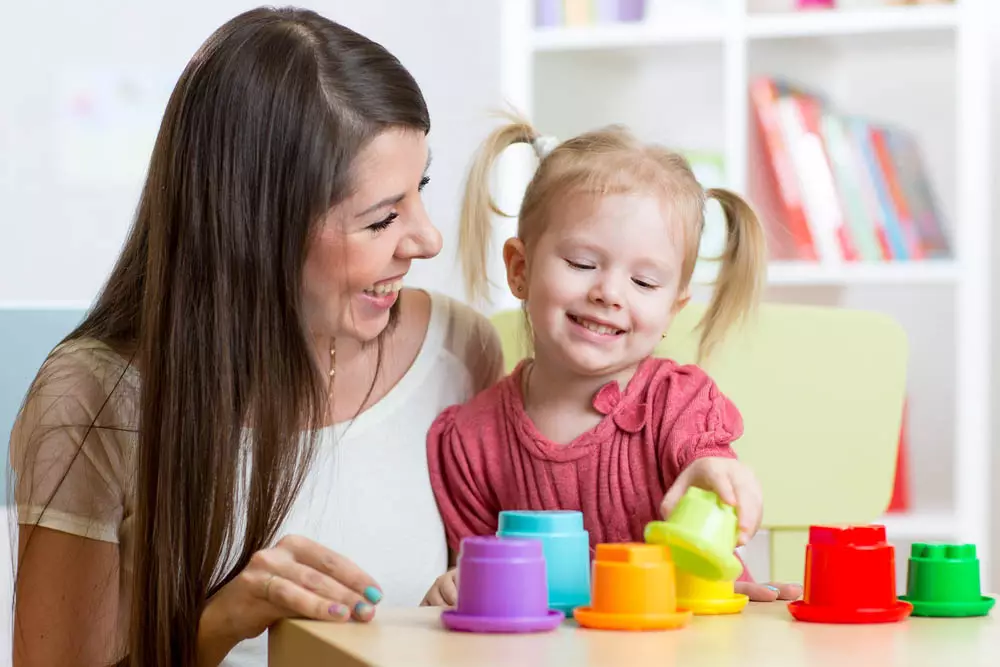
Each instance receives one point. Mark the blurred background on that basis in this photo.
(861, 128)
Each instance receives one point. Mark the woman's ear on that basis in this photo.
(516, 262)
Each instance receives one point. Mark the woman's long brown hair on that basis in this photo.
(255, 146)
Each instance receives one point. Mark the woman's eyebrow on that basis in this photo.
(394, 199)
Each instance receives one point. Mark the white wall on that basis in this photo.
(68, 188)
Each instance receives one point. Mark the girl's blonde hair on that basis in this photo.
(611, 160)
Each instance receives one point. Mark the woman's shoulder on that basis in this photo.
(84, 376)
(468, 336)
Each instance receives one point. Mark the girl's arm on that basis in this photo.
(66, 609)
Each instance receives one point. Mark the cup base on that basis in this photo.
(704, 607)
(694, 554)
(567, 607)
(958, 609)
(588, 618)
(821, 614)
(499, 624)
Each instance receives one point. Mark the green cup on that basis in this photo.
(701, 532)
(943, 580)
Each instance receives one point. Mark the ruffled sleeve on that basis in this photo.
(457, 470)
(696, 419)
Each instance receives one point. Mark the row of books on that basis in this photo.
(553, 13)
(839, 188)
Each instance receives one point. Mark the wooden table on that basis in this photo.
(764, 634)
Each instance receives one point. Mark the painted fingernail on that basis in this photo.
(373, 595)
(339, 610)
(363, 609)
(773, 588)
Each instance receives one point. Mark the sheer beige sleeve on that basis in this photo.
(473, 339)
(72, 442)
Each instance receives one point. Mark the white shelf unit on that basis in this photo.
(708, 60)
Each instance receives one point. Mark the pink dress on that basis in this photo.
(486, 455)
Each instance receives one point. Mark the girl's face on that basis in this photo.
(601, 282)
(358, 259)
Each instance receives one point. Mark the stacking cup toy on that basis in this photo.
(708, 598)
(850, 578)
(501, 588)
(701, 533)
(566, 546)
(634, 589)
(943, 580)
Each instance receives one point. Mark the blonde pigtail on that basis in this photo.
(741, 272)
(478, 207)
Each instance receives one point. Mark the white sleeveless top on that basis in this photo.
(367, 494)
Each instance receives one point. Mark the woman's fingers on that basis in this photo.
(788, 591)
(756, 592)
(768, 592)
(334, 565)
(299, 601)
(328, 588)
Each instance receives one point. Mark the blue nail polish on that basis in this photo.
(373, 595)
(773, 588)
(362, 609)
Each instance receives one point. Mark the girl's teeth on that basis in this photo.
(385, 288)
(597, 328)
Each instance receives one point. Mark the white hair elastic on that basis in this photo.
(544, 145)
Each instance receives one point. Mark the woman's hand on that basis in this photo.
(732, 481)
(768, 592)
(444, 592)
(295, 578)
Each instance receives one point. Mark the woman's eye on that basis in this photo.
(382, 224)
(423, 183)
(579, 265)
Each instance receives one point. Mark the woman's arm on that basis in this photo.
(66, 605)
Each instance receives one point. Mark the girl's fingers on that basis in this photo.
(449, 590)
(434, 597)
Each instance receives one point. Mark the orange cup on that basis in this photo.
(634, 588)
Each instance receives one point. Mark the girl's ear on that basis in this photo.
(682, 300)
(515, 259)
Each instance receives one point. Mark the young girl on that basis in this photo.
(607, 241)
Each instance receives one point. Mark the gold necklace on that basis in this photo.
(333, 369)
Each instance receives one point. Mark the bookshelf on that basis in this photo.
(684, 81)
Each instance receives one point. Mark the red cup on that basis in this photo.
(850, 578)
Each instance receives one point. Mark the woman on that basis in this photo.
(287, 381)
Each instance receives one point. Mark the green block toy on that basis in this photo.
(943, 580)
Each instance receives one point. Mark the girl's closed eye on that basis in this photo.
(580, 266)
(645, 283)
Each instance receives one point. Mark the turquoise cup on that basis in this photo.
(566, 546)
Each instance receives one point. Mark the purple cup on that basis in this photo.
(501, 588)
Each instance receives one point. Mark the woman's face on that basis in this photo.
(359, 257)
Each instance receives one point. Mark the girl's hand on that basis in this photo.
(444, 592)
(295, 578)
(768, 592)
(732, 481)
